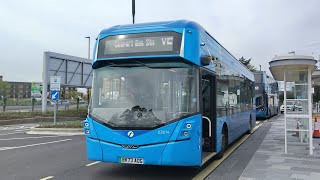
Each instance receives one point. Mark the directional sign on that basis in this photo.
(54, 95)
(55, 82)
(36, 89)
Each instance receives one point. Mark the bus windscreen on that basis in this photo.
(157, 43)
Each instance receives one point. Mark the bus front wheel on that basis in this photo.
(224, 142)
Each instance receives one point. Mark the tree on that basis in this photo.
(72, 94)
(4, 89)
(246, 62)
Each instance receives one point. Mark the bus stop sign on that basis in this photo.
(55, 82)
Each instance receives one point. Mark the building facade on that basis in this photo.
(19, 90)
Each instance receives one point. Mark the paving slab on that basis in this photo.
(270, 161)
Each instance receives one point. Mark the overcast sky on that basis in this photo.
(257, 29)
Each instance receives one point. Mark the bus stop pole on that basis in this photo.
(133, 10)
(55, 112)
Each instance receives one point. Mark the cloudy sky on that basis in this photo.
(257, 29)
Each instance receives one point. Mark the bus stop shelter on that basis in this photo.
(316, 81)
(296, 72)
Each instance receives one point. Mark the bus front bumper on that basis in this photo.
(178, 153)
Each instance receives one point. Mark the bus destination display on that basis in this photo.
(143, 44)
(158, 43)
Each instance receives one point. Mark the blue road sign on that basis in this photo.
(54, 95)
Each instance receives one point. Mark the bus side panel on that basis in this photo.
(253, 117)
(245, 121)
(220, 121)
(186, 149)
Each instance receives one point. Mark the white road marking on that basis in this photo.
(15, 128)
(28, 138)
(11, 133)
(31, 145)
(46, 178)
(91, 164)
(20, 130)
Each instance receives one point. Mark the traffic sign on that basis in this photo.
(36, 89)
(55, 82)
(55, 95)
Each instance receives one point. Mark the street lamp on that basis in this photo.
(292, 52)
(133, 10)
(88, 37)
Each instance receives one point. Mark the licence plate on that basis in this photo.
(129, 160)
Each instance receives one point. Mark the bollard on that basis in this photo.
(4, 104)
(78, 102)
(33, 102)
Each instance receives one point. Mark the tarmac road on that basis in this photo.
(24, 156)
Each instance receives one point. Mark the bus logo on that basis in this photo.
(130, 134)
(128, 146)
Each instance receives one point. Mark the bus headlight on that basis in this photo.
(185, 133)
(87, 131)
(188, 126)
(86, 124)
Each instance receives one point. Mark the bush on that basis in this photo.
(20, 102)
(81, 113)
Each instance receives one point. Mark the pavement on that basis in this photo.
(270, 161)
(235, 164)
(25, 156)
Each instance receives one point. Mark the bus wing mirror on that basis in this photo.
(205, 60)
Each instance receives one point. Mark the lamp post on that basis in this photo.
(292, 52)
(88, 96)
(88, 37)
(133, 10)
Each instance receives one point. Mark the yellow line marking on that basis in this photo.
(91, 164)
(46, 178)
(204, 173)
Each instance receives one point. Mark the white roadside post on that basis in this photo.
(310, 69)
(44, 82)
(285, 110)
(55, 82)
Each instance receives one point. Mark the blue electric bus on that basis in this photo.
(267, 95)
(165, 93)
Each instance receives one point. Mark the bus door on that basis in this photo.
(208, 109)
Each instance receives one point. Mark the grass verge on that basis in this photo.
(67, 124)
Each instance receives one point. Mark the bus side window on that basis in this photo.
(222, 98)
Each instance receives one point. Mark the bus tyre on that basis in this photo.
(224, 143)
